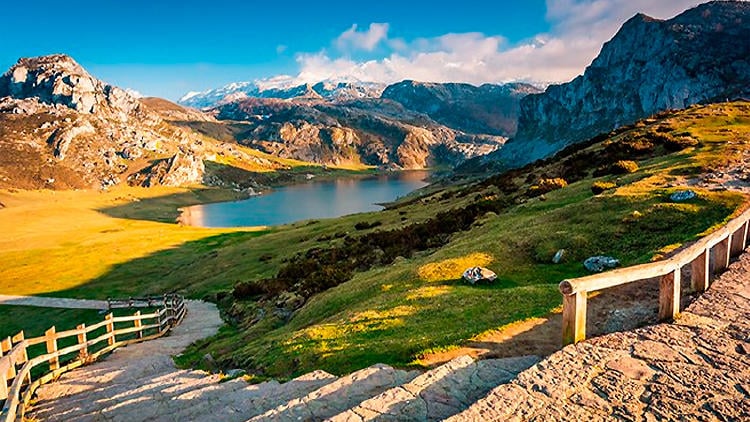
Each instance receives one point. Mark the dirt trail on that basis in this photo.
(52, 302)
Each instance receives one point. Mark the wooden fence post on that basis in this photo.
(51, 340)
(110, 328)
(138, 324)
(738, 241)
(82, 340)
(669, 295)
(721, 255)
(6, 345)
(3, 386)
(700, 274)
(574, 318)
(18, 339)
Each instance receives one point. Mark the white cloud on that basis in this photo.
(578, 30)
(133, 93)
(352, 39)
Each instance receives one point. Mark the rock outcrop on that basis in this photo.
(58, 79)
(650, 65)
(62, 128)
(368, 131)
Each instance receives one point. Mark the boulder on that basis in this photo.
(476, 274)
(683, 195)
(597, 264)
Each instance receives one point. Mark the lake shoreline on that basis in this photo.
(382, 188)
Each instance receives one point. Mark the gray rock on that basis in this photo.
(683, 195)
(597, 264)
(558, 256)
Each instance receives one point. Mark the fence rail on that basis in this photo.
(16, 362)
(718, 247)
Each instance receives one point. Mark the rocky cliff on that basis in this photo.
(702, 55)
(366, 131)
(488, 109)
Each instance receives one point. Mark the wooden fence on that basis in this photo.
(19, 355)
(716, 248)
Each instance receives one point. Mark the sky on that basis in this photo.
(167, 48)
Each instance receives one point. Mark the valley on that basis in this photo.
(409, 303)
(329, 220)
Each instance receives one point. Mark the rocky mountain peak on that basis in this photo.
(58, 79)
(650, 65)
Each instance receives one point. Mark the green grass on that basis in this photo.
(392, 314)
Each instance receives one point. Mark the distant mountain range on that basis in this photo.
(61, 127)
(282, 87)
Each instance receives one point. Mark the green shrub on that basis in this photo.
(600, 187)
(363, 225)
(624, 167)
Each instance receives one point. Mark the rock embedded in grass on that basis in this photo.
(597, 264)
(681, 196)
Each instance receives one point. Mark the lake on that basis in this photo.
(310, 200)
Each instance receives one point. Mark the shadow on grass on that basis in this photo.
(194, 268)
(165, 209)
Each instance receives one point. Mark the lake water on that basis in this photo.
(314, 199)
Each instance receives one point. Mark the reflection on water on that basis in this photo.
(305, 201)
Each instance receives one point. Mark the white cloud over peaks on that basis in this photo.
(352, 39)
(578, 30)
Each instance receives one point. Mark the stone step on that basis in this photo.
(85, 405)
(440, 392)
(340, 395)
(241, 404)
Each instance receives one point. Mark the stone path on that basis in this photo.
(141, 383)
(52, 302)
(121, 380)
(697, 368)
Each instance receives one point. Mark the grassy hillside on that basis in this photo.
(341, 294)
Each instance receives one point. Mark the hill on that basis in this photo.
(341, 294)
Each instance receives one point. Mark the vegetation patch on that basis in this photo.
(601, 187)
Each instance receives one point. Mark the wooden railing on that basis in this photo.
(19, 355)
(720, 245)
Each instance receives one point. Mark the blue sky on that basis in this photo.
(166, 48)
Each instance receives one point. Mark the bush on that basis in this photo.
(679, 143)
(265, 257)
(547, 185)
(600, 187)
(363, 225)
(624, 167)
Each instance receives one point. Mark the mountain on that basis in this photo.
(651, 65)
(489, 109)
(405, 125)
(282, 87)
(366, 131)
(61, 128)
